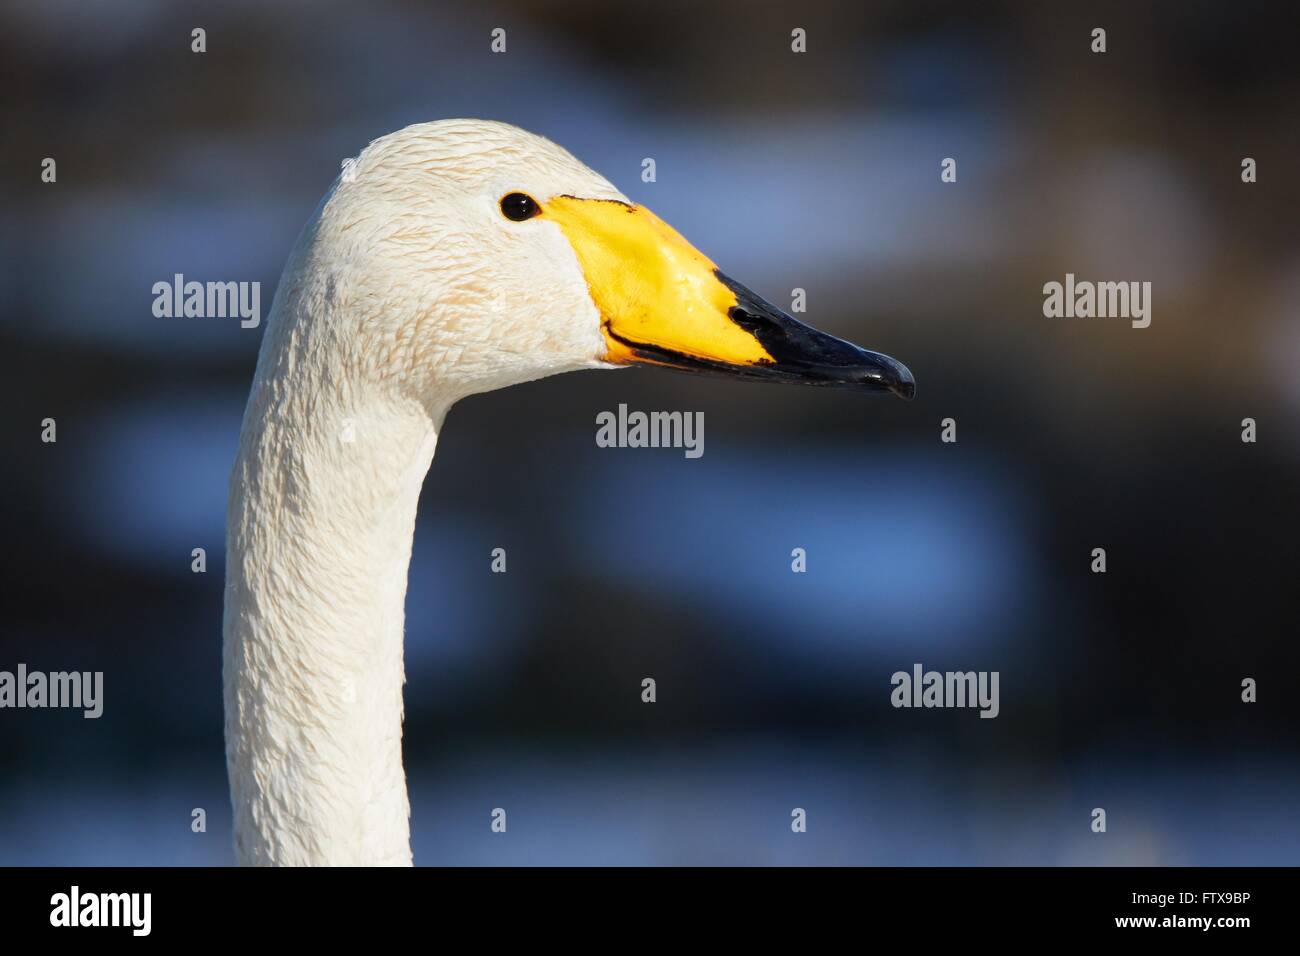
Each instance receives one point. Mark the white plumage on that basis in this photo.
(405, 292)
(452, 258)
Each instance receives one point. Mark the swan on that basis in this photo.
(449, 258)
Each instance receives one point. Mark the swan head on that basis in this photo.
(462, 256)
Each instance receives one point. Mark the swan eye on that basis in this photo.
(517, 207)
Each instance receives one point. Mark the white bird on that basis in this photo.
(450, 258)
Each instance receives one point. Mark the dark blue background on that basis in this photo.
(818, 171)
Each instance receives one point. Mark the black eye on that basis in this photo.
(519, 207)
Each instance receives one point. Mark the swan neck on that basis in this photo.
(322, 512)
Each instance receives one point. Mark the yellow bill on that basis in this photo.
(663, 302)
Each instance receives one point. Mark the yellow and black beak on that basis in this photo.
(662, 302)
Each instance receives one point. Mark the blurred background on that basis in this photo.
(818, 171)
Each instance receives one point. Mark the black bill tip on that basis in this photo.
(803, 355)
(897, 378)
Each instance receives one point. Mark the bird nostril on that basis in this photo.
(747, 320)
